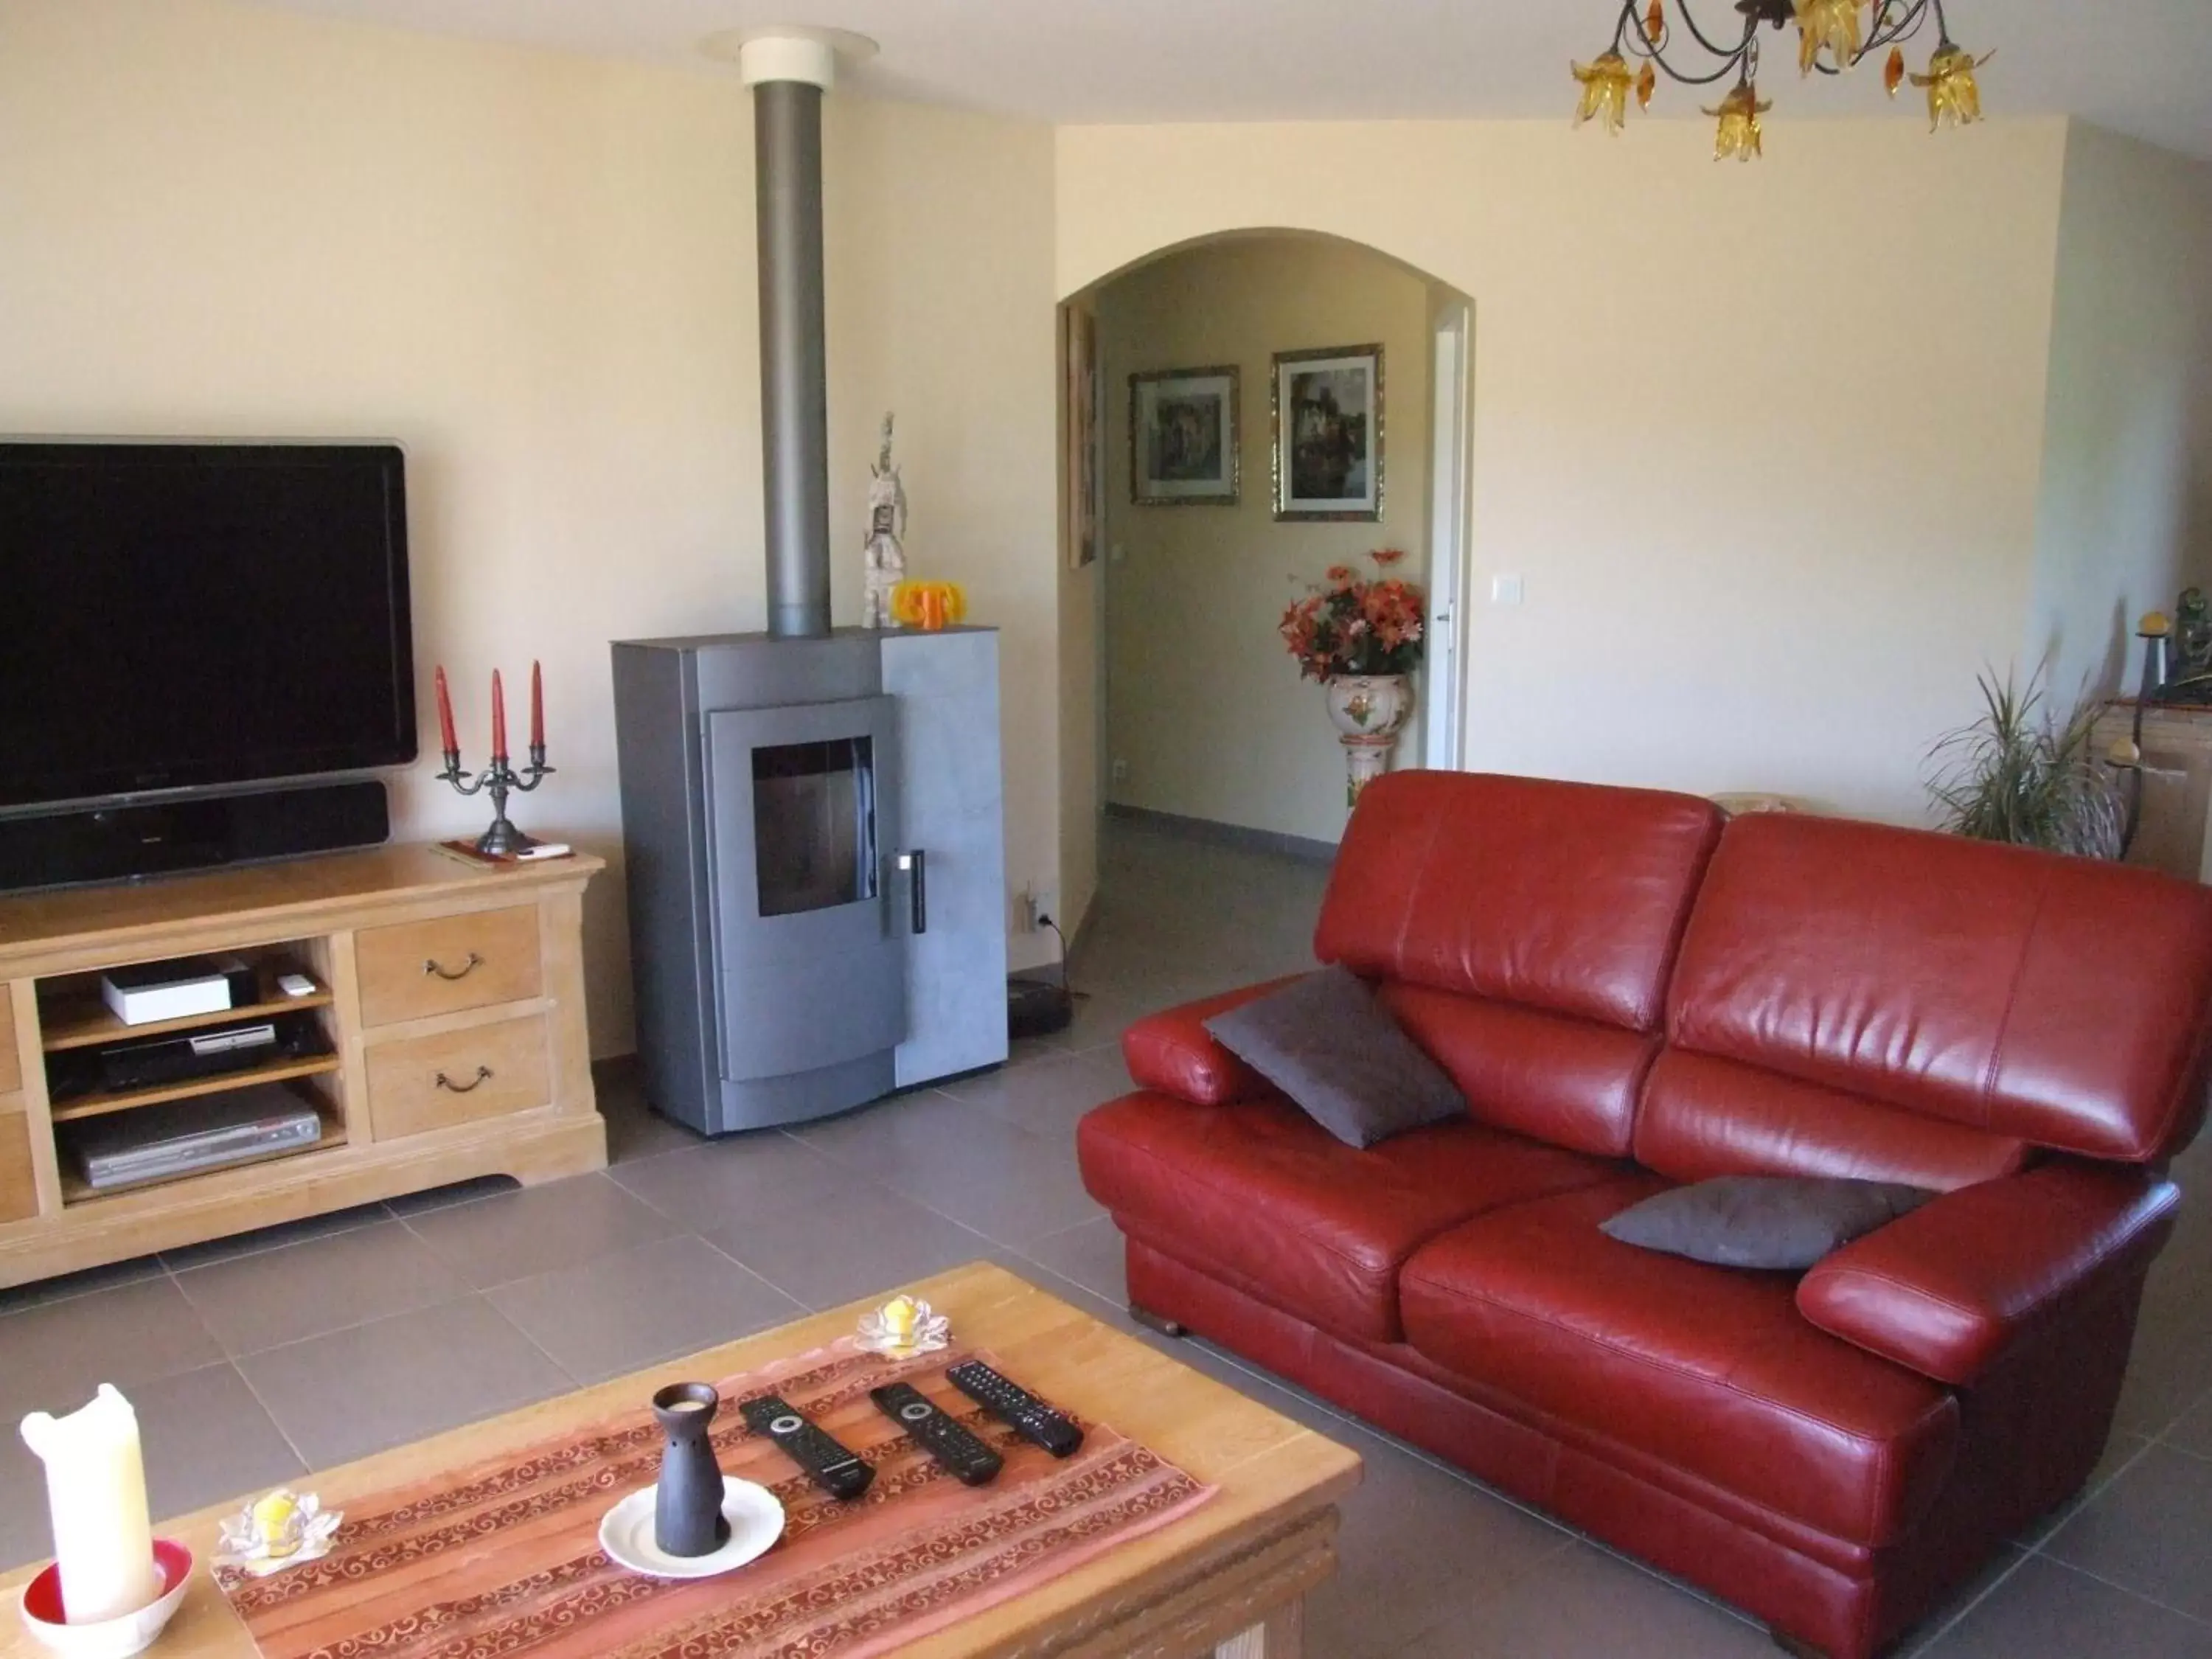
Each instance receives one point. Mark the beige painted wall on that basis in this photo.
(1203, 702)
(1764, 442)
(2125, 520)
(536, 272)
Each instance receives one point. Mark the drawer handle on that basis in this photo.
(484, 1073)
(430, 966)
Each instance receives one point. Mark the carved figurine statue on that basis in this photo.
(886, 526)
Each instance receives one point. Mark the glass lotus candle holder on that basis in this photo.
(279, 1531)
(904, 1326)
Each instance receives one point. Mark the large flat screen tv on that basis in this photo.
(181, 617)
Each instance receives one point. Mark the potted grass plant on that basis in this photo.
(2022, 772)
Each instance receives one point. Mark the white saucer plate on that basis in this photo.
(756, 1521)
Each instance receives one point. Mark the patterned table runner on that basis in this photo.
(502, 1558)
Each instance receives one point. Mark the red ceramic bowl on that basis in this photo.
(111, 1638)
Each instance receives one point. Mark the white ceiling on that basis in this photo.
(2143, 67)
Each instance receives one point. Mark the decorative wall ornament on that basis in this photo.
(1833, 37)
(886, 554)
(1328, 435)
(1183, 437)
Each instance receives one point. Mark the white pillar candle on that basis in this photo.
(96, 1487)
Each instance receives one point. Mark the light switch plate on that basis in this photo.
(1506, 590)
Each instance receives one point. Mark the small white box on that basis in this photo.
(165, 990)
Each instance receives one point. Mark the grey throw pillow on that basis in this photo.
(1332, 1047)
(1786, 1222)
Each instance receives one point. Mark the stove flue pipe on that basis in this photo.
(788, 71)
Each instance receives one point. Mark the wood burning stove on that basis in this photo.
(815, 859)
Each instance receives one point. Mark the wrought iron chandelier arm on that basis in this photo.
(1689, 17)
(1629, 34)
(1909, 18)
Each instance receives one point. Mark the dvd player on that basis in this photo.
(152, 1062)
(157, 1143)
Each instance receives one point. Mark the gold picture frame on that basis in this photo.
(1184, 437)
(1327, 409)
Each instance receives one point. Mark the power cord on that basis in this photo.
(1044, 920)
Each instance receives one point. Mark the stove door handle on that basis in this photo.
(916, 865)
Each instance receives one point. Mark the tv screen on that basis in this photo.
(175, 615)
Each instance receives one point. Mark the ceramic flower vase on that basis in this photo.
(687, 1517)
(1369, 711)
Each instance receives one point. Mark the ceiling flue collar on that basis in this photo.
(789, 51)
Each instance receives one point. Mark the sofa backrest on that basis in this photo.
(1522, 932)
(1856, 1000)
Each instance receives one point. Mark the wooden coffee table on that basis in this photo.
(1229, 1579)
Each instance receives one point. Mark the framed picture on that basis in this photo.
(1328, 435)
(1182, 437)
(1085, 391)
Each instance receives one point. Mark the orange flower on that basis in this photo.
(1339, 574)
(1387, 556)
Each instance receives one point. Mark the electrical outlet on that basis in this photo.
(1038, 902)
(1121, 771)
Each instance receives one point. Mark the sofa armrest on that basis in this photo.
(1173, 1052)
(1947, 1289)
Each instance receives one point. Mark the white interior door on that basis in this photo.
(1443, 709)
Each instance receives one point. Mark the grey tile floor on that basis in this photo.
(258, 1359)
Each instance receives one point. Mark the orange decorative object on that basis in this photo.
(928, 605)
(1834, 24)
(1954, 96)
(1605, 92)
(1646, 84)
(1741, 135)
(1892, 73)
(1654, 22)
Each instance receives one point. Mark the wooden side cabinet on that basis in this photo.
(447, 1042)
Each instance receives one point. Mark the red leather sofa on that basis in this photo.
(1631, 995)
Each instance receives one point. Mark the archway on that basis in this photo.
(1179, 703)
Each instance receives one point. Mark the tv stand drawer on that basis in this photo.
(433, 1082)
(477, 959)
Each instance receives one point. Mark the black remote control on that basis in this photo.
(961, 1452)
(1039, 1422)
(833, 1466)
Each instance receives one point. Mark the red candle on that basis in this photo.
(498, 718)
(536, 708)
(446, 733)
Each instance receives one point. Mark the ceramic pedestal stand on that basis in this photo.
(1369, 711)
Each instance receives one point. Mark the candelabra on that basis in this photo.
(503, 840)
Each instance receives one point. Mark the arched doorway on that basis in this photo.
(1181, 707)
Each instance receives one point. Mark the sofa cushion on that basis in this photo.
(2058, 1001)
(1557, 1079)
(1711, 1370)
(1780, 1222)
(1327, 1043)
(1564, 898)
(1703, 1117)
(1262, 1195)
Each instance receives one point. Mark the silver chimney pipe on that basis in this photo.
(788, 71)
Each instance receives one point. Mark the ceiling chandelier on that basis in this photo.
(1833, 36)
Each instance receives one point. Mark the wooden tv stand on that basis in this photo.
(450, 999)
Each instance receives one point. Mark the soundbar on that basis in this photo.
(126, 843)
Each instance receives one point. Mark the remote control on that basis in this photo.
(833, 1466)
(1010, 1402)
(961, 1452)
